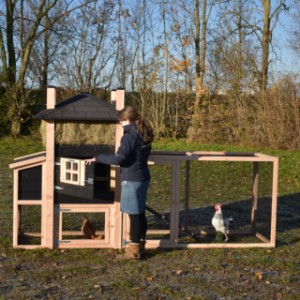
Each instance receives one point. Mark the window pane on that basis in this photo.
(75, 177)
(75, 166)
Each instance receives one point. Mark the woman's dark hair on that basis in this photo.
(143, 125)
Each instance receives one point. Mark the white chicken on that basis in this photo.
(220, 223)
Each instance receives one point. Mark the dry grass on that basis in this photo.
(81, 133)
(272, 122)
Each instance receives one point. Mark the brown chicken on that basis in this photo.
(87, 228)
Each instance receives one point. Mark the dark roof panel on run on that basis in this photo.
(82, 107)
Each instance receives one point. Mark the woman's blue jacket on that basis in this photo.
(132, 156)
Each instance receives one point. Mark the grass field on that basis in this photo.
(163, 274)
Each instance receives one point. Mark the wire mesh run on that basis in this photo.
(244, 188)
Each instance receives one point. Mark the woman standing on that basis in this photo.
(132, 157)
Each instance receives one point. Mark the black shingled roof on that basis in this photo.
(82, 107)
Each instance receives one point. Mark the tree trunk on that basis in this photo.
(203, 45)
(11, 70)
(200, 51)
(265, 47)
(198, 65)
(15, 128)
(44, 82)
(3, 56)
(239, 55)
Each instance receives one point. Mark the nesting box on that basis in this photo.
(75, 180)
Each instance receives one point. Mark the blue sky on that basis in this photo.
(287, 60)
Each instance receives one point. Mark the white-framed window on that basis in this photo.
(72, 171)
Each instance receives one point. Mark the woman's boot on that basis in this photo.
(142, 247)
(132, 251)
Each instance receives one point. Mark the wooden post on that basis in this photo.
(119, 95)
(113, 97)
(120, 103)
(175, 197)
(16, 212)
(48, 197)
(274, 202)
(254, 196)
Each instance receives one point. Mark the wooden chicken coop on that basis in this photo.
(57, 190)
(54, 190)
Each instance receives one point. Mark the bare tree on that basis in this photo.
(202, 13)
(182, 45)
(265, 44)
(271, 12)
(24, 24)
(46, 49)
(88, 48)
(233, 51)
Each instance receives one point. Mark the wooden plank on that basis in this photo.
(167, 159)
(113, 97)
(272, 158)
(209, 153)
(48, 202)
(43, 200)
(98, 245)
(84, 207)
(16, 213)
(25, 164)
(233, 158)
(30, 247)
(168, 153)
(158, 231)
(274, 202)
(30, 202)
(79, 232)
(262, 237)
(160, 245)
(33, 155)
(32, 234)
(116, 217)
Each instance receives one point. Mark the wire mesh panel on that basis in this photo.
(229, 184)
(158, 210)
(83, 226)
(29, 231)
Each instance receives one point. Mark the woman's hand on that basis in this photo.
(89, 161)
